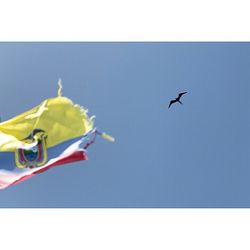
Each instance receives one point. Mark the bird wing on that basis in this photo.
(171, 102)
(181, 94)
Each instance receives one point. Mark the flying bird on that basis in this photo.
(177, 99)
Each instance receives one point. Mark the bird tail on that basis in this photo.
(180, 102)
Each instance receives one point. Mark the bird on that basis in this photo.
(177, 99)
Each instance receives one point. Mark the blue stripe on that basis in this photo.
(7, 159)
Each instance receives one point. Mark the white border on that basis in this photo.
(204, 229)
(130, 20)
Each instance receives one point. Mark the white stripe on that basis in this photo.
(9, 177)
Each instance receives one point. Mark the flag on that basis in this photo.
(54, 133)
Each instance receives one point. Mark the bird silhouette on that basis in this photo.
(177, 99)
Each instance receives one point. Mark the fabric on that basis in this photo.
(51, 134)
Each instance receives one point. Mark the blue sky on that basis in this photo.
(192, 155)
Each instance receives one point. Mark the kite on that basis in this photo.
(54, 133)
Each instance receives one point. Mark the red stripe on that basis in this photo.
(73, 157)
